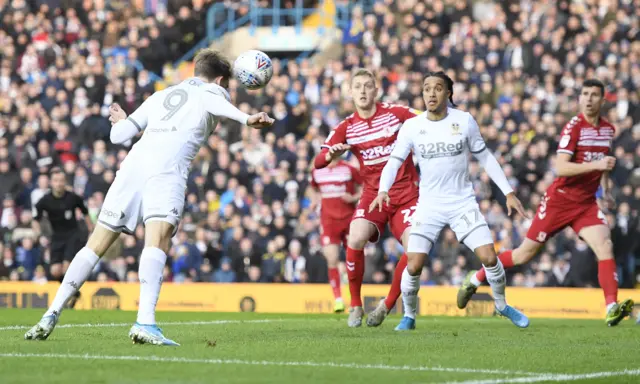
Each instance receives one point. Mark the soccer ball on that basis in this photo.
(253, 69)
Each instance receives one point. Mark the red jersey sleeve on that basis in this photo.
(337, 136)
(569, 137)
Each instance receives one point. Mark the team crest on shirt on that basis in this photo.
(455, 129)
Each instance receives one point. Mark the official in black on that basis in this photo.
(59, 206)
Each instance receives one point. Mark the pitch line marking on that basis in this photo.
(109, 325)
(161, 359)
(211, 322)
(553, 377)
(169, 323)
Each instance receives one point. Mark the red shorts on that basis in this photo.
(555, 214)
(334, 232)
(397, 215)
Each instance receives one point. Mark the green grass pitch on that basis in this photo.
(93, 347)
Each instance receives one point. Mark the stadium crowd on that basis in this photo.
(517, 65)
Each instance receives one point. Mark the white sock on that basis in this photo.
(497, 280)
(475, 281)
(77, 273)
(152, 261)
(410, 285)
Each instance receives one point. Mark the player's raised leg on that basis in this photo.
(152, 261)
(551, 217)
(77, 273)
(509, 259)
(360, 232)
(332, 255)
(598, 238)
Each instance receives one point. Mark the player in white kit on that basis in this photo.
(150, 185)
(442, 139)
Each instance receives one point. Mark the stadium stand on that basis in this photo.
(517, 64)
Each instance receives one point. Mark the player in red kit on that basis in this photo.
(582, 165)
(370, 134)
(339, 190)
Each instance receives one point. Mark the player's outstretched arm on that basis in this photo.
(388, 176)
(217, 105)
(495, 172)
(479, 149)
(400, 152)
(125, 128)
(334, 147)
(327, 155)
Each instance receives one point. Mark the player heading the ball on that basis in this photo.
(151, 184)
(442, 140)
(582, 165)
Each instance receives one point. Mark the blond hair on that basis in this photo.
(363, 72)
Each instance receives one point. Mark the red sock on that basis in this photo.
(334, 280)
(395, 292)
(608, 279)
(355, 272)
(507, 262)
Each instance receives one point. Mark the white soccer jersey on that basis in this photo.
(442, 149)
(152, 179)
(446, 193)
(176, 121)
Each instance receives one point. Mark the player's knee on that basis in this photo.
(357, 241)
(488, 258)
(331, 254)
(158, 234)
(101, 239)
(415, 263)
(162, 243)
(414, 269)
(604, 250)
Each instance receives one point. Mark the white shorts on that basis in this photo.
(133, 198)
(465, 220)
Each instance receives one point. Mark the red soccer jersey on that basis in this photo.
(585, 143)
(372, 141)
(333, 182)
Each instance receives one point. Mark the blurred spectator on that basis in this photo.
(224, 274)
(295, 264)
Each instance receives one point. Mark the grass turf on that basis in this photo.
(315, 349)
